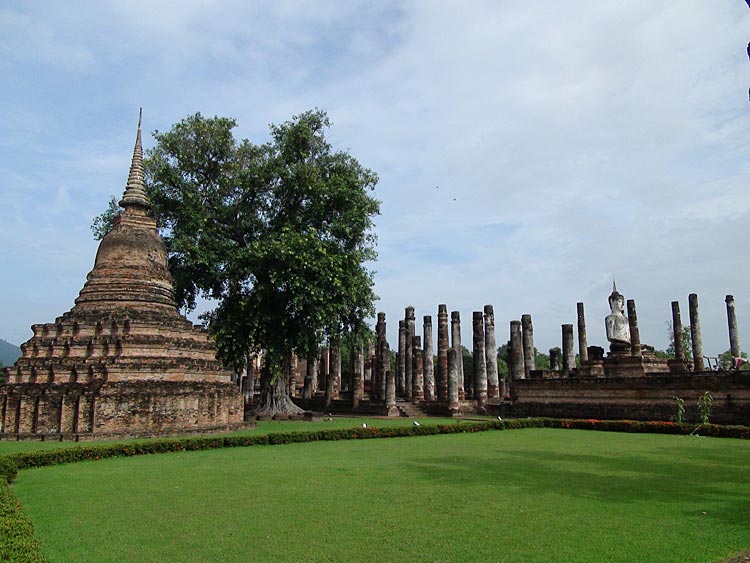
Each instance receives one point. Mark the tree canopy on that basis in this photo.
(280, 233)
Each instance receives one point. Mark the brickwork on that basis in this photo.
(122, 360)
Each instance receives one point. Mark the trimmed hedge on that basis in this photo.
(652, 427)
(18, 545)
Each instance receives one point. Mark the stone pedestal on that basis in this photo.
(634, 366)
(594, 366)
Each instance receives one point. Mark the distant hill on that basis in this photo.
(9, 353)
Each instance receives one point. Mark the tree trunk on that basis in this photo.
(274, 395)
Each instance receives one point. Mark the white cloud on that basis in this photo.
(569, 141)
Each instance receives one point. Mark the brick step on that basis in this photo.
(409, 410)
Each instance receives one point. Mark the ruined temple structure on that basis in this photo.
(630, 381)
(122, 361)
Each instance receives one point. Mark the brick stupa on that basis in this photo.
(122, 361)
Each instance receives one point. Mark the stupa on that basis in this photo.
(123, 360)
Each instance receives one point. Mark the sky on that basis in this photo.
(528, 152)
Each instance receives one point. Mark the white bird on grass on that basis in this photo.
(416, 423)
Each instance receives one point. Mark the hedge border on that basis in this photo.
(18, 544)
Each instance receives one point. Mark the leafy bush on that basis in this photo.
(704, 407)
(17, 542)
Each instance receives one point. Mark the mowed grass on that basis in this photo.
(514, 496)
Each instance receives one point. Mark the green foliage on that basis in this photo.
(704, 407)
(17, 541)
(503, 371)
(726, 361)
(687, 341)
(278, 233)
(468, 360)
(680, 414)
(102, 224)
(541, 360)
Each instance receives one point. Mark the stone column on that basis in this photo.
(323, 368)
(408, 357)
(517, 370)
(490, 353)
(428, 361)
(554, 359)
(390, 394)
(308, 390)
(417, 393)
(384, 364)
(250, 377)
(358, 387)
(695, 332)
(441, 375)
(378, 373)
(568, 349)
(679, 345)
(335, 367)
(583, 351)
(374, 384)
(529, 357)
(734, 335)
(293, 374)
(329, 378)
(400, 366)
(456, 344)
(453, 401)
(367, 369)
(480, 363)
(635, 335)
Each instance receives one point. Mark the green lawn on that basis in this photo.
(514, 496)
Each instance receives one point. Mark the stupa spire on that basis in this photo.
(135, 198)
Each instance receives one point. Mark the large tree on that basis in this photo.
(279, 234)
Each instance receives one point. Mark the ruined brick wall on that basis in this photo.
(99, 409)
(638, 398)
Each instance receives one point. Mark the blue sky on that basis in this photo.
(527, 152)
